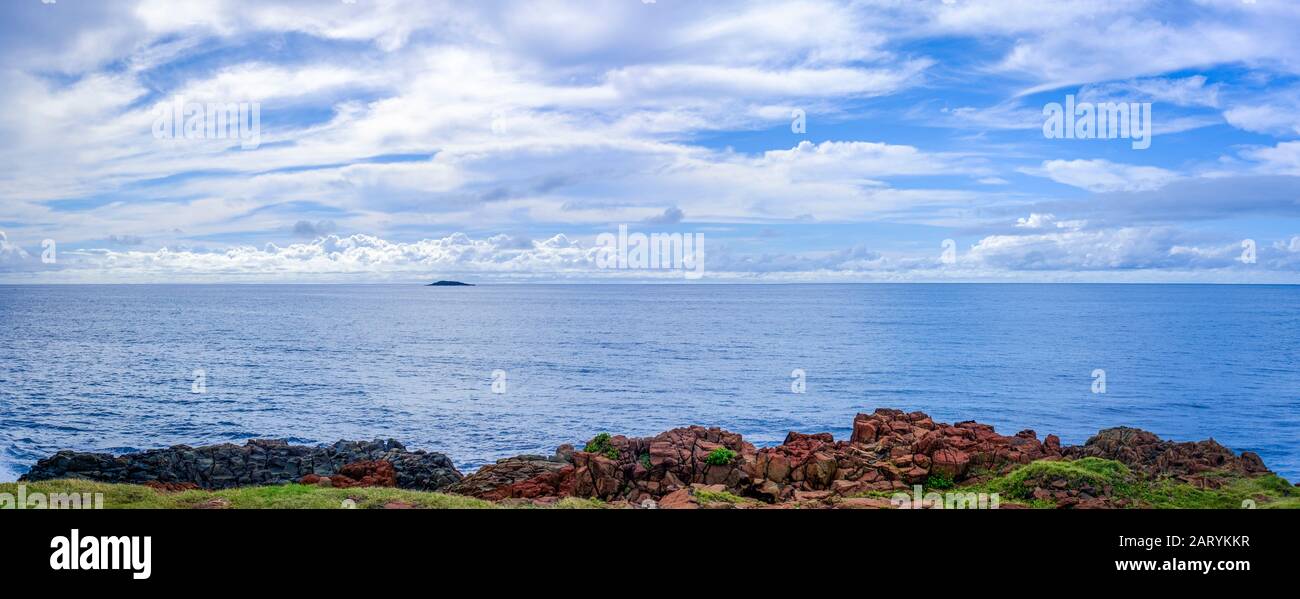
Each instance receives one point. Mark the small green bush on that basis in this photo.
(600, 444)
(939, 482)
(645, 461)
(720, 457)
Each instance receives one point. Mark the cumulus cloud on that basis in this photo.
(10, 254)
(1040, 247)
(1283, 158)
(1047, 221)
(407, 117)
(1124, 248)
(355, 254)
(1265, 118)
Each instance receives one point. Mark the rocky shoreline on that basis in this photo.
(889, 453)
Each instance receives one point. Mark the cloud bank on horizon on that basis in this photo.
(808, 140)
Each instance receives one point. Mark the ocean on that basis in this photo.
(485, 372)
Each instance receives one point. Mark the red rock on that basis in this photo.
(519, 477)
(864, 431)
(820, 471)
(370, 473)
(928, 443)
(863, 503)
(681, 499)
(951, 463)
(778, 468)
(888, 451)
(170, 487)
(793, 437)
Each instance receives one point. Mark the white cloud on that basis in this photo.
(1283, 158)
(11, 254)
(1104, 176)
(1184, 91)
(1278, 117)
(536, 115)
(1101, 249)
(1037, 220)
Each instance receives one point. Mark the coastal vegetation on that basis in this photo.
(1213, 489)
(600, 444)
(287, 496)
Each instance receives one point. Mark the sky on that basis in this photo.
(803, 141)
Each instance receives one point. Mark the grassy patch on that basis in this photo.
(720, 497)
(1267, 492)
(292, 496)
(939, 482)
(1098, 472)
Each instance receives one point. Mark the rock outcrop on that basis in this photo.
(1146, 453)
(257, 462)
(891, 450)
(653, 467)
(626, 469)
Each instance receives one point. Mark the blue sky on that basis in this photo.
(494, 141)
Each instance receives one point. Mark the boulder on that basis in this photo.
(681, 499)
(952, 463)
(519, 477)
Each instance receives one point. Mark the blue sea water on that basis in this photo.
(111, 368)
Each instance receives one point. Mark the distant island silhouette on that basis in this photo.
(449, 284)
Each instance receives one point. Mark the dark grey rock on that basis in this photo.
(257, 462)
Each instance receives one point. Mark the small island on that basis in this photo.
(449, 284)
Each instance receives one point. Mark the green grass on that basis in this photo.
(1098, 472)
(720, 497)
(1268, 492)
(292, 496)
